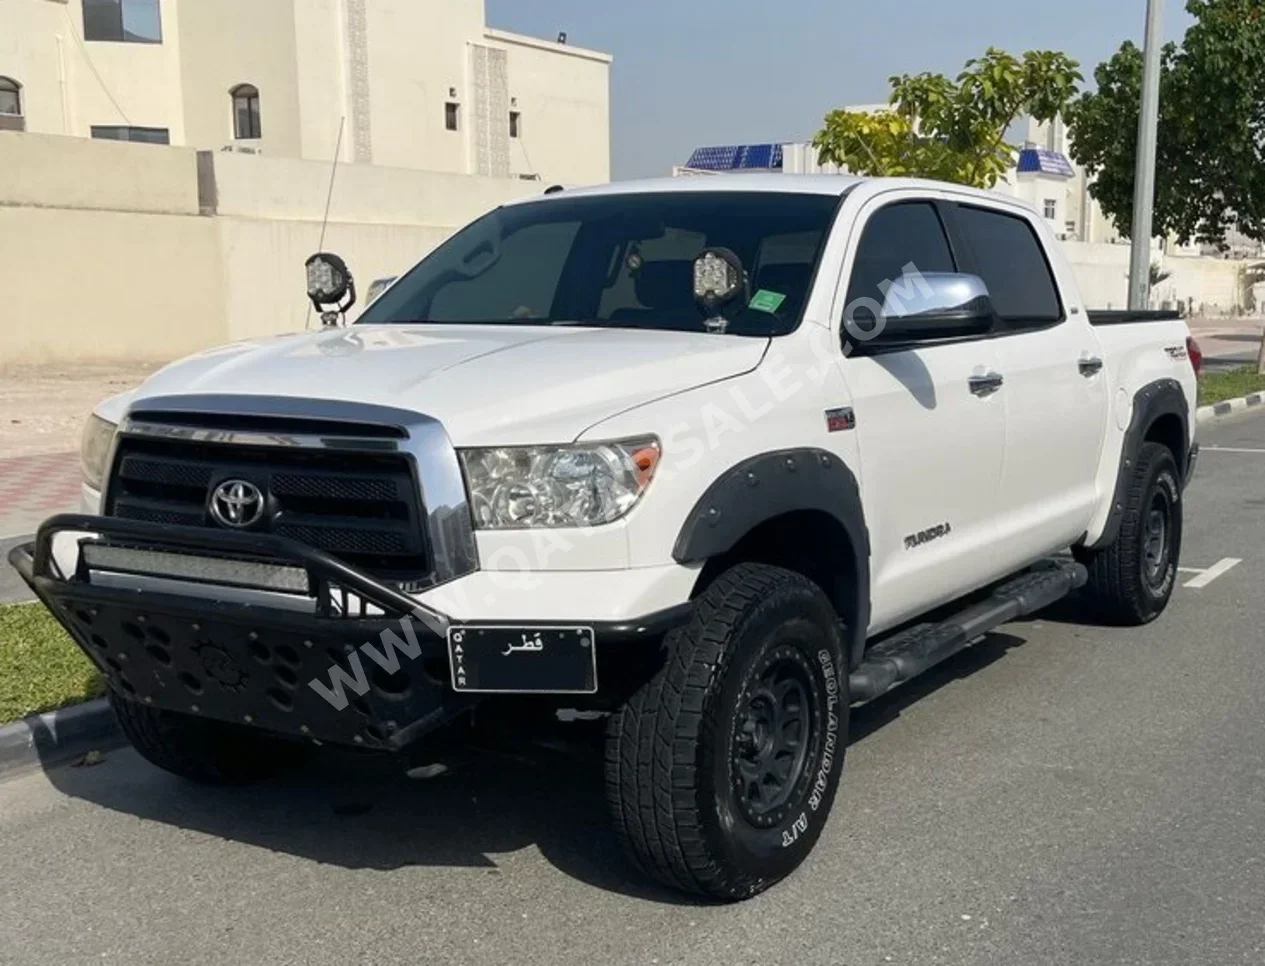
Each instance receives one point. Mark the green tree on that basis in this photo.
(951, 130)
(1211, 146)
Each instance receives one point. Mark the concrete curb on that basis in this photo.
(1229, 407)
(57, 736)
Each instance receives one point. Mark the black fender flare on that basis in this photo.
(772, 484)
(1164, 397)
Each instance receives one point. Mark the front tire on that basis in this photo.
(721, 770)
(202, 750)
(1132, 580)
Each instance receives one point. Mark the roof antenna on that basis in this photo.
(338, 147)
(562, 36)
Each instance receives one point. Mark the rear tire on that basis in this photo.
(1132, 580)
(721, 770)
(202, 750)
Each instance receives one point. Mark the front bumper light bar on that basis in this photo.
(207, 651)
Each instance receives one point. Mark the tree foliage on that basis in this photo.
(951, 130)
(1211, 146)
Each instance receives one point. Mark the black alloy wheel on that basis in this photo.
(774, 729)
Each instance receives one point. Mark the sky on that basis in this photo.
(705, 72)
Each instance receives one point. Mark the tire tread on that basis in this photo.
(1115, 585)
(653, 740)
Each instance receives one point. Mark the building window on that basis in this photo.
(123, 21)
(246, 124)
(144, 135)
(11, 118)
(516, 123)
(1051, 208)
(10, 97)
(452, 114)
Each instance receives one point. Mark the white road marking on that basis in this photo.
(1228, 449)
(1218, 569)
(1190, 570)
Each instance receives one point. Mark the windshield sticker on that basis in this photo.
(766, 301)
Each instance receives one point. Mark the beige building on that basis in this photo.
(1046, 178)
(421, 84)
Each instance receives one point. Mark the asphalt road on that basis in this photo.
(1058, 794)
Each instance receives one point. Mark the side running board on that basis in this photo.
(912, 651)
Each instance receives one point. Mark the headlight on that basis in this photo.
(94, 450)
(558, 486)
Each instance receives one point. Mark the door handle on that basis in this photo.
(1090, 366)
(986, 384)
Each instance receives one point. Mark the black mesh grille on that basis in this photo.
(166, 471)
(344, 539)
(362, 507)
(334, 487)
(186, 518)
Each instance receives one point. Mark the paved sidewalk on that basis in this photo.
(35, 487)
(1228, 343)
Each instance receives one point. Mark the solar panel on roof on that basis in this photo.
(737, 157)
(1041, 161)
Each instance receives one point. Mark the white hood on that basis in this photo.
(488, 385)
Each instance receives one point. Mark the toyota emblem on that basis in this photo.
(237, 504)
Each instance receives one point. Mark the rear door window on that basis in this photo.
(1009, 258)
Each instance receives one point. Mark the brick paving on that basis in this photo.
(1228, 343)
(35, 487)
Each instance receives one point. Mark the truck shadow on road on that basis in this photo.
(882, 711)
(358, 811)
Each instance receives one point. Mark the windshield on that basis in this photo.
(619, 260)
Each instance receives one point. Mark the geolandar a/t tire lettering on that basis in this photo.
(722, 769)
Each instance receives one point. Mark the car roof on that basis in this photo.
(815, 184)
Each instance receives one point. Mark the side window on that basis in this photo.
(900, 235)
(1009, 257)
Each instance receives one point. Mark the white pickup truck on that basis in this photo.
(723, 457)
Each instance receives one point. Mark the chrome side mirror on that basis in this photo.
(934, 305)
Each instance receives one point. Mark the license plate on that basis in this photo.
(523, 660)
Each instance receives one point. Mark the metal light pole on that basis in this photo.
(1144, 178)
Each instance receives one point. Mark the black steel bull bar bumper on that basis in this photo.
(216, 656)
